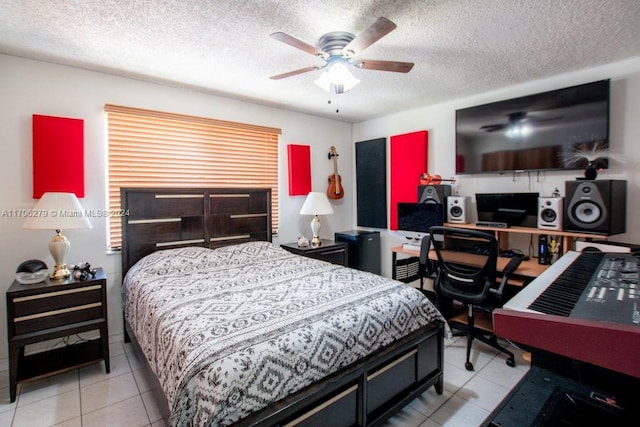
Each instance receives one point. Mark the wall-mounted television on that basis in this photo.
(419, 217)
(544, 131)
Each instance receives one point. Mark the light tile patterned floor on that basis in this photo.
(89, 397)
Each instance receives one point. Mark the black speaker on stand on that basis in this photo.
(596, 206)
(434, 193)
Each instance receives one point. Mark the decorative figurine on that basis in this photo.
(83, 271)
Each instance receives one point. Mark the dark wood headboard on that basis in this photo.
(163, 218)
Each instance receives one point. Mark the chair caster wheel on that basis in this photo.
(511, 362)
(468, 366)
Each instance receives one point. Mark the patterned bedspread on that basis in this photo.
(231, 330)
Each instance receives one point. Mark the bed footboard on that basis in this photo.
(365, 393)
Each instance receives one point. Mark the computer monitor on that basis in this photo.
(419, 217)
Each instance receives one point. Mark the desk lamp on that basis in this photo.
(57, 211)
(316, 204)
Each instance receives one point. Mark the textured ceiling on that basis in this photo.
(459, 47)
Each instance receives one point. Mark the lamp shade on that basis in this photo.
(57, 211)
(316, 203)
(337, 76)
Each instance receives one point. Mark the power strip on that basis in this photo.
(492, 224)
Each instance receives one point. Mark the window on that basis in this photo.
(155, 149)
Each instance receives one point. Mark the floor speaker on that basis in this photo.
(458, 209)
(434, 193)
(550, 212)
(597, 206)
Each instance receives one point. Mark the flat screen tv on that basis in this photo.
(419, 217)
(544, 131)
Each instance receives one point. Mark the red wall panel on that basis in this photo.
(58, 155)
(408, 161)
(299, 169)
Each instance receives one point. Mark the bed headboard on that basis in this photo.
(163, 218)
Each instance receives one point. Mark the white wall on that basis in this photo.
(31, 87)
(439, 120)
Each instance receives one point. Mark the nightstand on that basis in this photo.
(330, 251)
(54, 309)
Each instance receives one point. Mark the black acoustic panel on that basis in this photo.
(371, 183)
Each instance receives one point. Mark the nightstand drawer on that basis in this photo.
(330, 251)
(37, 312)
(55, 318)
(58, 300)
(332, 255)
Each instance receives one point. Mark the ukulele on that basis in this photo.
(335, 190)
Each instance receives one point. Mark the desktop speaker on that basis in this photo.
(598, 206)
(550, 210)
(458, 209)
(434, 193)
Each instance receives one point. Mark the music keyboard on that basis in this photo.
(584, 306)
(564, 293)
(589, 285)
(523, 299)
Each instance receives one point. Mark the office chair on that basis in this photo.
(470, 278)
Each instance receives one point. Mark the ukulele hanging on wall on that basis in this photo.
(335, 190)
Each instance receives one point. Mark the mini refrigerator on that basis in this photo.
(364, 249)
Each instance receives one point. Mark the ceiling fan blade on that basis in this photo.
(293, 73)
(375, 32)
(493, 128)
(395, 66)
(299, 44)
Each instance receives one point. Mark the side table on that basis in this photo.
(53, 309)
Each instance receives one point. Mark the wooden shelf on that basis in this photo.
(61, 359)
(531, 230)
(402, 250)
(502, 234)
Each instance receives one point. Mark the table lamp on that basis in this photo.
(57, 211)
(316, 204)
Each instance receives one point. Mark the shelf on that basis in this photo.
(531, 230)
(504, 232)
(60, 359)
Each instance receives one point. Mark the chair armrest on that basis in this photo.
(508, 270)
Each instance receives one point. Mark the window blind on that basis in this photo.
(156, 149)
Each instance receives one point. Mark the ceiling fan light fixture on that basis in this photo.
(323, 81)
(337, 75)
(519, 130)
(338, 72)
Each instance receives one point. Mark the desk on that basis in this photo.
(529, 269)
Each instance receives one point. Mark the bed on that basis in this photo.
(238, 331)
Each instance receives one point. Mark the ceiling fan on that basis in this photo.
(518, 124)
(338, 49)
